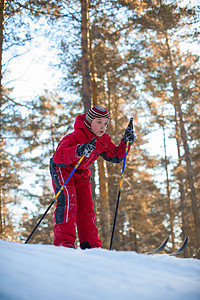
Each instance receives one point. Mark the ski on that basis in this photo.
(181, 248)
(160, 248)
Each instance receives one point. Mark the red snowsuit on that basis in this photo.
(74, 205)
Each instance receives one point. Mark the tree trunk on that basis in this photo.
(1, 44)
(189, 168)
(1, 95)
(181, 185)
(170, 206)
(93, 77)
(105, 215)
(103, 184)
(86, 80)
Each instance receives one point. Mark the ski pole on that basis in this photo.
(130, 125)
(57, 195)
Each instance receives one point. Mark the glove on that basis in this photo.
(129, 135)
(86, 149)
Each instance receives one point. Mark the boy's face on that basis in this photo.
(99, 126)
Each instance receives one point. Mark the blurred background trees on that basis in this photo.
(138, 59)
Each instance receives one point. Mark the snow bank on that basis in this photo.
(30, 272)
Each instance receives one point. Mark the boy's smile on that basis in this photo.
(99, 126)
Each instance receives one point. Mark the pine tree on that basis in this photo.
(47, 122)
(162, 69)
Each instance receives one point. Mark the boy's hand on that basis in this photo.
(129, 135)
(86, 149)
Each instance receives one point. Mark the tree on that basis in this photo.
(86, 85)
(1, 95)
(46, 122)
(117, 54)
(161, 68)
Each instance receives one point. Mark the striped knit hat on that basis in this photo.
(94, 113)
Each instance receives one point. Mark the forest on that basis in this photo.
(137, 58)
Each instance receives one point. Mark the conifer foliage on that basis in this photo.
(133, 58)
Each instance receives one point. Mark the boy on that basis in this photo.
(74, 205)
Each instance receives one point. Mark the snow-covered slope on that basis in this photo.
(34, 272)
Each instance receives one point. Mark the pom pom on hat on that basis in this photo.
(94, 113)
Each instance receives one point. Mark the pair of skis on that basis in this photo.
(162, 246)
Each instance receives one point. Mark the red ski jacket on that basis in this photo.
(66, 155)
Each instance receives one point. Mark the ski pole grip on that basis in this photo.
(130, 125)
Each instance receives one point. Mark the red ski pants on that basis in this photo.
(75, 208)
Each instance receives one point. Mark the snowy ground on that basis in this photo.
(34, 272)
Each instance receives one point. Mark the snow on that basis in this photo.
(30, 272)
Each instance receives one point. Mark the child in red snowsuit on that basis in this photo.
(74, 205)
